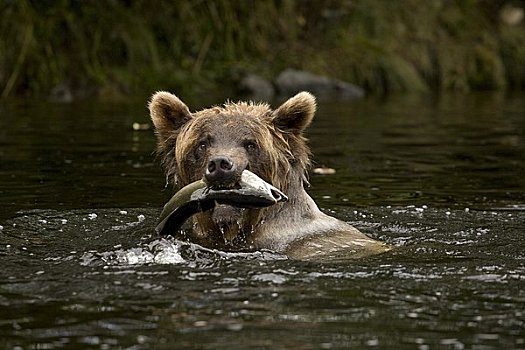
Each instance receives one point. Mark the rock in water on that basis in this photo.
(291, 81)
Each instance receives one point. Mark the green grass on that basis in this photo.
(112, 48)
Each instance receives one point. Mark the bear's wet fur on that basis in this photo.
(218, 143)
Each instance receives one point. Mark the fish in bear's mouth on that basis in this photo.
(233, 222)
(224, 215)
(232, 213)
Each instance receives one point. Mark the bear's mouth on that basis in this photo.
(229, 221)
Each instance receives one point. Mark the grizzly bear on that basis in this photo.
(219, 143)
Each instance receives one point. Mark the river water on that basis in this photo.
(441, 179)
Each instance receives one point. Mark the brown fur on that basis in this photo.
(269, 143)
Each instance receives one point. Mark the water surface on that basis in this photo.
(439, 178)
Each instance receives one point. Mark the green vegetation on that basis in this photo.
(115, 47)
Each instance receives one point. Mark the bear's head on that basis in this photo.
(218, 143)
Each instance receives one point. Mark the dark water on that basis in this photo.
(441, 179)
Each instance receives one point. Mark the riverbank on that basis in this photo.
(70, 50)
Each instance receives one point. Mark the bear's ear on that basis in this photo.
(295, 114)
(168, 114)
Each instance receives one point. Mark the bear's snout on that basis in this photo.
(222, 172)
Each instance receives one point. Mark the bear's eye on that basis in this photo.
(250, 145)
(202, 146)
(200, 150)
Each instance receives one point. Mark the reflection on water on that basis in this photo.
(454, 151)
(440, 180)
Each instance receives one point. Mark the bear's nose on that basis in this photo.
(221, 172)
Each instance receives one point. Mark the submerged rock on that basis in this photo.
(291, 81)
